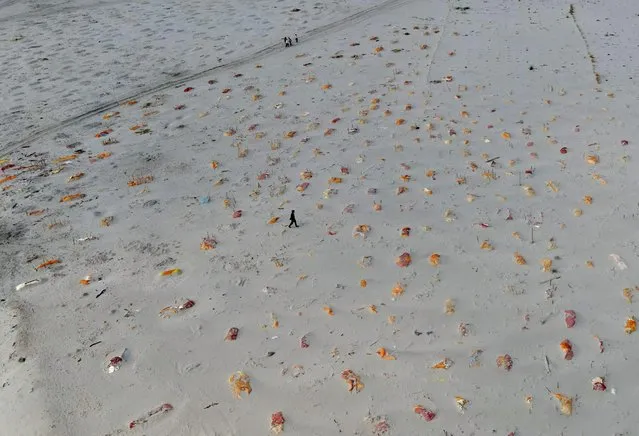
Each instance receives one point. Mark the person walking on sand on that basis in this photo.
(293, 220)
(296, 40)
(285, 41)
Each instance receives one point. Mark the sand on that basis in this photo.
(67, 58)
(449, 119)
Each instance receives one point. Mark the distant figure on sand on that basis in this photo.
(286, 41)
(296, 40)
(293, 220)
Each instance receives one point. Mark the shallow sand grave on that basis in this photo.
(375, 119)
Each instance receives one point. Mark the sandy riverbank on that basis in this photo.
(441, 129)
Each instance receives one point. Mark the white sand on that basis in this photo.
(67, 335)
(63, 59)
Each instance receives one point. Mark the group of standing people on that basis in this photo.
(288, 42)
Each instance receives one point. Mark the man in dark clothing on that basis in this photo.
(296, 40)
(293, 220)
